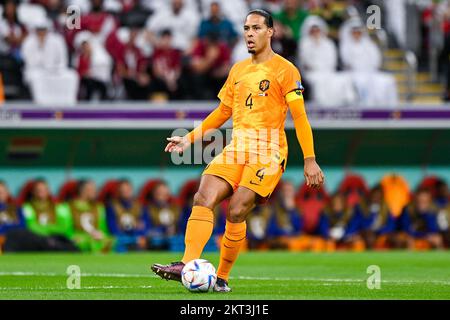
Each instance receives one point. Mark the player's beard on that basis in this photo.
(252, 51)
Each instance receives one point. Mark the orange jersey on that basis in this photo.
(256, 94)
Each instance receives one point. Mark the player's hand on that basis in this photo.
(313, 174)
(177, 144)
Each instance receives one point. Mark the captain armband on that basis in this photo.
(294, 95)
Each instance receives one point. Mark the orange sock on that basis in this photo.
(232, 240)
(198, 231)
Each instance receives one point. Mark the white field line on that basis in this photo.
(127, 275)
(82, 287)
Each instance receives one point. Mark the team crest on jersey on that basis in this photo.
(264, 85)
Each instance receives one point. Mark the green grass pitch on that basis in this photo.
(256, 275)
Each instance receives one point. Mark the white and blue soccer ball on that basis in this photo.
(199, 275)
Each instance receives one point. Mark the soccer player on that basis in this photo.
(257, 94)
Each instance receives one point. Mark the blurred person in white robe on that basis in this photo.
(359, 52)
(318, 62)
(362, 58)
(317, 52)
(180, 20)
(46, 67)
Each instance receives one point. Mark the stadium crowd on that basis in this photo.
(183, 49)
(115, 217)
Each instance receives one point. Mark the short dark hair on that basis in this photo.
(81, 184)
(268, 20)
(165, 32)
(123, 181)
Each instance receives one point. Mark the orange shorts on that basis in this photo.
(257, 173)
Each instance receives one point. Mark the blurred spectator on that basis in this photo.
(46, 71)
(210, 64)
(94, 66)
(49, 233)
(136, 14)
(166, 64)
(419, 223)
(218, 24)
(56, 11)
(317, 52)
(282, 44)
(11, 216)
(444, 225)
(442, 198)
(90, 230)
(182, 22)
(358, 51)
(133, 67)
(377, 223)
(124, 216)
(275, 225)
(43, 216)
(442, 42)
(258, 225)
(318, 59)
(339, 225)
(98, 21)
(292, 17)
(287, 216)
(361, 56)
(12, 32)
(157, 5)
(332, 12)
(234, 10)
(161, 216)
(287, 224)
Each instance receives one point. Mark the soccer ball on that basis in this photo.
(199, 275)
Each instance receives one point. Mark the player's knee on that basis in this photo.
(237, 213)
(204, 200)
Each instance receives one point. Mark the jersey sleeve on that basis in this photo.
(290, 80)
(226, 93)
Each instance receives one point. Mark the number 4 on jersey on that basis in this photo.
(249, 101)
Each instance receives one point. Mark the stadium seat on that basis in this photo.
(108, 191)
(25, 192)
(67, 191)
(353, 187)
(146, 189)
(311, 203)
(430, 182)
(187, 191)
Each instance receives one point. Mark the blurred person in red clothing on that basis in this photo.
(166, 64)
(94, 65)
(133, 66)
(210, 64)
(12, 32)
(97, 21)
